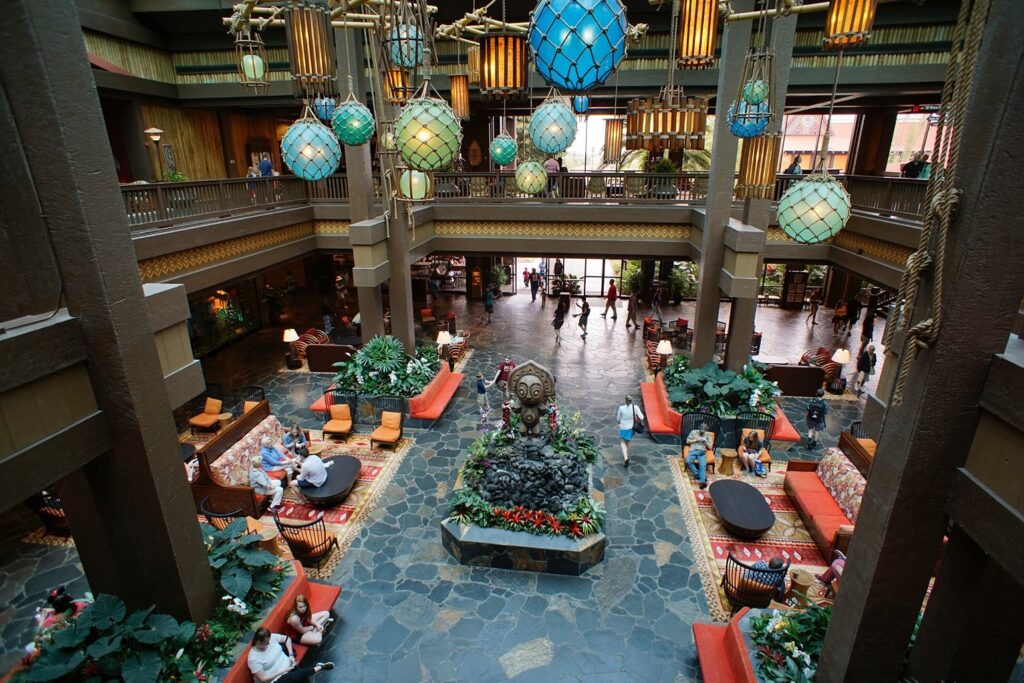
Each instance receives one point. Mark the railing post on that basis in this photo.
(161, 207)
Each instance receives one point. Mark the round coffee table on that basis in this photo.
(742, 508)
(315, 447)
(341, 477)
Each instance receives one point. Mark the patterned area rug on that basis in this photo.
(712, 543)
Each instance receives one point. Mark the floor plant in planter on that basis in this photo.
(722, 392)
(382, 368)
(789, 643)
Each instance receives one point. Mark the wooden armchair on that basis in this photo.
(310, 542)
(340, 423)
(747, 586)
(50, 511)
(390, 430)
(218, 520)
(210, 417)
(764, 456)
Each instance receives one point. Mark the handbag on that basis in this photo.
(638, 424)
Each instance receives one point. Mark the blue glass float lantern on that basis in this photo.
(353, 122)
(553, 126)
(405, 46)
(531, 177)
(503, 150)
(580, 104)
(577, 44)
(428, 134)
(310, 149)
(324, 107)
(748, 120)
(814, 209)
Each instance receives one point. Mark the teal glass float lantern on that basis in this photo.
(503, 150)
(751, 112)
(748, 120)
(353, 122)
(427, 133)
(531, 177)
(405, 46)
(553, 126)
(324, 107)
(577, 44)
(814, 209)
(310, 149)
(415, 185)
(580, 104)
(755, 92)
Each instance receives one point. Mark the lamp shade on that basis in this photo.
(251, 56)
(404, 44)
(310, 149)
(814, 209)
(290, 335)
(577, 44)
(664, 348)
(613, 139)
(428, 134)
(671, 122)
(552, 126)
(503, 65)
(153, 134)
(473, 64)
(459, 92)
(503, 150)
(848, 23)
(531, 177)
(396, 86)
(353, 123)
(841, 356)
(698, 33)
(415, 185)
(759, 161)
(324, 107)
(311, 49)
(580, 104)
(444, 337)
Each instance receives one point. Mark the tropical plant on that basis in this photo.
(382, 368)
(173, 175)
(789, 643)
(498, 277)
(665, 165)
(672, 375)
(682, 280)
(632, 278)
(722, 392)
(569, 440)
(240, 566)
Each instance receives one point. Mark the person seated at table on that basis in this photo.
(272, 658)
(750, 451)
(307, 628)
(312, 472)
(699, 442)
(295, 440)
(264, 485)
(769, 578)
(834, 571)
(275, 458)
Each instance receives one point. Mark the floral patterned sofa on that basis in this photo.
(827, 496)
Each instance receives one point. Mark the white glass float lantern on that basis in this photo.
(310, 149)
(415, 185)
(428, 135)
(553, 126)
(404, 44)
(531, 177)
(251, 56)
(814, 209)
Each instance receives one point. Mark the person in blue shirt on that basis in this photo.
(274, 458)
(266, 166)
(295, 441)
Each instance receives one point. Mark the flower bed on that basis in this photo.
(789, 643)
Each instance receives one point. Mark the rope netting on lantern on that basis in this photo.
(751, 112)
(577, 44)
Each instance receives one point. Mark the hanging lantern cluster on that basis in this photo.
(671, 122)
(251, 58)
(404, 45)
(751, 112)
(848, 23)
(503, 150)
(698, 33)
(459, 93)
(577, 44)
(759, 162)
(531, 177)
(581, 104)
(814, 209)
(311, 48)
(427, 133)
(613, 140)
(353, 122)
(310, 149)
(552, 125)
(503, 65)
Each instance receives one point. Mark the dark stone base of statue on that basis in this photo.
(529, 473)
(501, 549)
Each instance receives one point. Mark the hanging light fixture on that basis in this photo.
(503, 65)
(396, 86)
(251, 57)
(671, 122)
(552, 125)
(353, 122)
(311, 48)
(459, 91)
(848, 23)
(531, 177)
(577, 44)
(751, 112)
(759, 161)
(310, 149)
(404, 45)
(613, 140)
(473, 63)
(503, 150)
(415, 185)
(427, 133)
(580, 104)
(698, 32)
(324, 107)
(747, 120)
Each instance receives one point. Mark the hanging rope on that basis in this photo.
(941, 196)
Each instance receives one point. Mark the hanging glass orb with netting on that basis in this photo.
(503, 150)
(323, 107)
(415, 185)
(531, 177)
(428, 134)
(405, 46)
(577, 44)
(552, 126)
(580, 104)
(756, 92)
(814, 209)
(748, 120)
(353, 122)
(310, 149)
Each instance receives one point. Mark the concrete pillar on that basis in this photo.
(371, 312)
(133, 518)
(903, 518)
(735, 41)
(400, 283)
(741, 333)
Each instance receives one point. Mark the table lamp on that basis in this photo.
(290, 336)
(842, 357)
(664, 350)
(444, 338)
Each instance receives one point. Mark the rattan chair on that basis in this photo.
(218, 520)
(746, 586)
(310, 542)
(50, 511)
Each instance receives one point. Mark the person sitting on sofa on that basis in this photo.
(699, 442)
(307, 629)
(276, 458)
(312, 472)
(272, 658)
(834, 571)
(264, 485)
(295, 440)
(750, 452)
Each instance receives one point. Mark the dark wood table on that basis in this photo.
(188, 451)
(341, 477)
(742, 508)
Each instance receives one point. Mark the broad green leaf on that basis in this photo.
(104, 646)
(137, 618)
(141, 667)
(158, 627)
(70, 637)
(237, 582)
(38, 673)
(104, 613)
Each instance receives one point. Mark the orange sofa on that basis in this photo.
(321, 597)
(827, 496)
(663, 423)
(722, 653)
(431, 402)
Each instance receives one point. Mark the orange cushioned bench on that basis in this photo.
(323, 404)
(663, 423)
(321, 597)
(434, 398)
(784, 434)
(722, 652)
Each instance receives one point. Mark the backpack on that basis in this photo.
(814, 411)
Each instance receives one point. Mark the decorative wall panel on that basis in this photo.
(875, 248)
(562, 230)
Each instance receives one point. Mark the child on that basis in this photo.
(481, 395)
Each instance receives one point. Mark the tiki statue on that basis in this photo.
(534, 386)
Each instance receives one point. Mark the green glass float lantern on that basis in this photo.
(756, 92)
(405, 46)
(428, 135)
(310, 149)
(814, 209)
(553, 126)
(353, 122)
(415, 185)
(503, 150)
(581, 104)
(531, 177)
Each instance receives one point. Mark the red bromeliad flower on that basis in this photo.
(91, 669)
(556, 526)
(575, 531)
(203, 633)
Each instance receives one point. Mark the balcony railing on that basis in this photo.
(163, 204)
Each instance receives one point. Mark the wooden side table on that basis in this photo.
(224, 418)
(727, 461)
(801, 585)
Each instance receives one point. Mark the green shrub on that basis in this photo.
(382, 368)
(789, 643)
(722, 392)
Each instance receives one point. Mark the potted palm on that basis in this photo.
(665, 188)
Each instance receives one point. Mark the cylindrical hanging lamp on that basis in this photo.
(613, 140)
(473, 64)
(459, 91)
(848, 23)
(311, 48)
(251, 57)
(503, 65)
(671, 122)
(698, 33)
(759, 161)
(396, 86)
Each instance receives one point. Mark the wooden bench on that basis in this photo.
(663, 423)
(321, 598)
(861, 452)
(722, 652)
(431, 402)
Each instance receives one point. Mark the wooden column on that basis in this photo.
(902, 517)
(873, 140)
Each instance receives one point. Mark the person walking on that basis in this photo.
(559, 268)
(505, 369)
(488, 307)
(481, 395)
(867, 330)
(551, 167)
(266, 166)
(817, 409)
(609, 302)
(795, 168)
(865, 368)
(853, 308)
(815, 301)
(839, 317)
(558, 321)
(627, 416)
(534, 284)
(526, 277)
(656, 305)
(583, 315)
(631, 311)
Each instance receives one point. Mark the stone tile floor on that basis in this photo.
(409, 611)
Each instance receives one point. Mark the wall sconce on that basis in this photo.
(153, 134)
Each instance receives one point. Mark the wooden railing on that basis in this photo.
(902, 197)
(573, 187)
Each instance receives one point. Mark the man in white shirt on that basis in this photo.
(699, 441)
(313, 473)
(271, 659)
